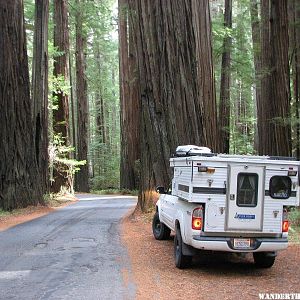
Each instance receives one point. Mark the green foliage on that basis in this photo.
(49, 198)
(59, 160)
(100, 28)
(242, 104)
(103, 85)
(56, 200)
(4, 213)
(106, 169)
(294, 216)
(294, 231)
(116, 192)
(56, 84)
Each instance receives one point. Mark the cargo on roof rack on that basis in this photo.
(192, 150)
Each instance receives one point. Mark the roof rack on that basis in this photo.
(282, 158)
(195, 154)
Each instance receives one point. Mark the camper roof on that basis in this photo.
(192, 150)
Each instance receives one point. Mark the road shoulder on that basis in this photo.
(22, 215)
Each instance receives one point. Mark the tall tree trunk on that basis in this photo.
(40, 90)
(297, 79)
(178, 106)
(99, 108)
(134, 107)
(72, 103)
(18, 167)
(61, 68)
(129, 101)
(294, 42)
(224, 109)
(82, 176)
(126, 176)
(256, 41)
(99, 103)
(276, 93)
(281, 131)
(264, 114)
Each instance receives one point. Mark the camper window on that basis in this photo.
(280, 187)
(247, 186)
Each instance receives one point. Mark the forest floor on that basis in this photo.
(212, 276)
(18, 216)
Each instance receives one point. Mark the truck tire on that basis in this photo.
(160, 230)
(181, 261)
(263, 259)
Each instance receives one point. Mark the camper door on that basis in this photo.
(245, 198)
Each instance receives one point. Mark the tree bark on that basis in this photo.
(178, 105)
(129, 101)
(294, 42)
(276, 139)
(40, 90)
(61, 68)
(134, 107)
(99, 103)
(100, 131)
(265, 115)
(18, 167)
(224, 109)
(82, 176)
(256, 41)
(297, 77)
(72, 103)
(126, 176)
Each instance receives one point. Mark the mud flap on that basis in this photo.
(188, 250)
(271, 254)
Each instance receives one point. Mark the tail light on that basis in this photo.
(285, 221)
(197, 218)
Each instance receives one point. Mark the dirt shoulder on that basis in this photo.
(212, 276)
(29, 213)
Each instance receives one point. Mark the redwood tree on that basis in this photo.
(99, 102)
(224, 108)
(276, 136)
(294, 43)
(82, 176)
(129, 100)
(256, 41)
(18, 168)
(40, 90)
(173, 43)
(61, 68)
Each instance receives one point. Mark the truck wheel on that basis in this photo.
(263, 259)
(160, 230)
(181, 261)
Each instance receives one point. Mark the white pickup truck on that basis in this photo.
(227, 203)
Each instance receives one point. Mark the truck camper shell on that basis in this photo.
(222, 202)
(241, 192)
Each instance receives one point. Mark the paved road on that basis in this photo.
(73, 253)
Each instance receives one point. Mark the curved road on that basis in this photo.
(73, 253)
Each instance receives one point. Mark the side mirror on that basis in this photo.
(161, 190)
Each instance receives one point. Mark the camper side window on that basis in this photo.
(280, 187)
(247, 187)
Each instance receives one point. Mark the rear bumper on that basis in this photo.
(226, 244)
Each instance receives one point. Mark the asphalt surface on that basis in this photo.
(73, 253)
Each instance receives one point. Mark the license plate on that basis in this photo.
(241, 243)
